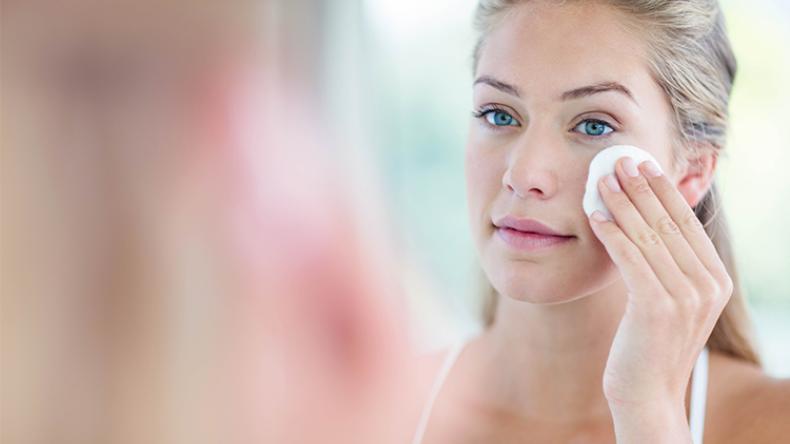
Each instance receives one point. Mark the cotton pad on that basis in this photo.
(602, 164)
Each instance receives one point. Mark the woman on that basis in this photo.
(592, 336)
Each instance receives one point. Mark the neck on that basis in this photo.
(546, 362)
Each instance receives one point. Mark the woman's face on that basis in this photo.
(529, 152)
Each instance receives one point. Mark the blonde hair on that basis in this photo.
(692, 60)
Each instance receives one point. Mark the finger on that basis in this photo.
(640, 191)
(688, 223)
(627, 217)
(638, 275)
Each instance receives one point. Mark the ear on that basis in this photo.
(695, 179)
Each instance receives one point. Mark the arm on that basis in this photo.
(659, 423)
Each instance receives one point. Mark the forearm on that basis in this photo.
(660, 423)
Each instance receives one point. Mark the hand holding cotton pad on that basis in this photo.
(602, 164)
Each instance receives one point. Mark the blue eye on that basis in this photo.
(500, 118)
(594, 128)
(497, 117)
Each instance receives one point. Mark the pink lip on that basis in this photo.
(525, 241)
(527, 225)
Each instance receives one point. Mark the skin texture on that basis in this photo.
(595, 339)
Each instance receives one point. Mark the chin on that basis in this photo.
(527, 282)
(540, 283)
(547, 280)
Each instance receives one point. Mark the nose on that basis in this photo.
(533, 169)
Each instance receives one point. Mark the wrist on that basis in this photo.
(658, 421)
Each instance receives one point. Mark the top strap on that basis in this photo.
(699, 389)
(449, 360)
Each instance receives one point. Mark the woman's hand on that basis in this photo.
(677, 288)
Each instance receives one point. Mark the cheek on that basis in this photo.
(483, 177)
(658, 139)
(483, 183)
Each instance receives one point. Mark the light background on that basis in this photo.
(420, 69)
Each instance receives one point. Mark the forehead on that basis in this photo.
(546, 48)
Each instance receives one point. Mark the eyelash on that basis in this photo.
(604, 122)
(484, 110)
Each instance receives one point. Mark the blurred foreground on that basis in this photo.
(186, 254)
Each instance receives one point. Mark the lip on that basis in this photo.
(528, 234)
(530, 241)
(527, 225)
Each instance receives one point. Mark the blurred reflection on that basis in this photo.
(184, 259)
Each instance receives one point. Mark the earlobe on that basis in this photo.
(698, 177)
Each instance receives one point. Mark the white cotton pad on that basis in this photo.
(602, 164)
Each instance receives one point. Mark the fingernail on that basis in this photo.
(598, 216)
(630, 167)
(651, 169)
(611, 182)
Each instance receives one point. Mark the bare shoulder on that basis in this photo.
(745, 404)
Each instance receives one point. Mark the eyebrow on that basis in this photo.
(576, 93)
(589, 90)
(498, 84)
